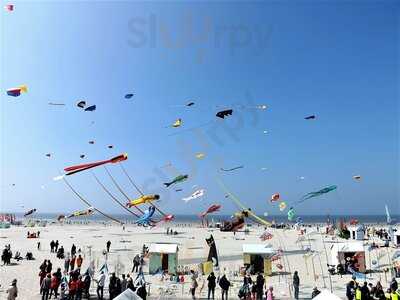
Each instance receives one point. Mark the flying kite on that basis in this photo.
(224, 113)
(90, 108)
(177, 179)
(200, 155)
(232, 169)
(15, 92)
(29, 212)
(143, 200)
(79, 168)
(196, 194)
(275, 197)
(265, 131)
(190, 104)
(282, 206)
(213, 208)
(82, 156)
(110, 146)
(177, 123)
(357, 177)
(291, 214)
(266, 236)
(87, 212)
(9, 7)
(178, 190)
(48, 154)
(146, 220)
(167, 218)
(312, 117)
(128, 96)
(91, 142)
(318, 193)
(81, 104)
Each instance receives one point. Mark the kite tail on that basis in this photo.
(90, 205)
(167, 184)
(112, 196)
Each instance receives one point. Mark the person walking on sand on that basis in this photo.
(100, 285)
(72, 262)
(46, 285)
(12, 291)
(79, 261)
(193, 287)
(211, 285)
(260, 281)
(270, 293)
(224, 285)
(67, 261)
(108, 246)
(296, 284)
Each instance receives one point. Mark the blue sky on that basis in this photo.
(337, 60)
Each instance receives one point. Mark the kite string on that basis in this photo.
(120, 189)
(88, 203)
(112, 196)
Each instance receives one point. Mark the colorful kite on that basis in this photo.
(317, 193)
(90, 108)
(177, 123)
(128, 96)
(176, 180)
(195, 195)
(143, 200)
(81, 213)
(282, 206)
(200, 155)
(15, 92)
(79, 168)
(146, 220)
(9, 7)
(291, 214)
(275, 197)
(29, 212)
(213, 208)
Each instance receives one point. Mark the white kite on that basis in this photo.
(196, 194)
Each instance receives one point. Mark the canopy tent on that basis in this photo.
(342, 252)
(326, 295)
(128, 294)
(257, 258)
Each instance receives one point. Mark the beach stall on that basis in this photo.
(357, 232)
(257, 258)
(163, 257)
(349, 254)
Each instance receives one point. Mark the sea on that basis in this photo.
(366, 219)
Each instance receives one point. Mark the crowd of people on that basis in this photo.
(368, 291)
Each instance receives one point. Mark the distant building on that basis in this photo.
(163, 258)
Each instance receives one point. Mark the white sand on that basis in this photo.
(193, 249)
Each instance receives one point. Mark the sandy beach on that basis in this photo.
(125, 244)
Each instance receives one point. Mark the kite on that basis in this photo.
(80, 213)
(213, 208)
(48, 154)
(291, 214)
(263, 169)
(91, 142)
(354, 222)
(146, 220)
(81, 104)
(110, 146)
(15, 92)
(212, 253)
(190, 104)
(167, 218)
(9, 7)
(79, 168)
(82, 156)
(196, 194)
(143, 200)
(224, 113)
(275, 197)
(265, 131)
(60, 218)
(312, 117)
(90, 108)
(266, 236)
(234, 225)
(200, 155)
(232, 169)
(29, 212)
(318, 193)
(177, 123)
(357, 177)
(56, 104)
(282, 206)
(128, 96)
(178, 190)
(177, 179)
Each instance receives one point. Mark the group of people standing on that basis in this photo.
(368, 291)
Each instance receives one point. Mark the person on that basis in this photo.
(73, 287)
(136, 263)
(118, 287)
(56, 246)
(80, 286)
(79, 261)
(365, 294)
(394, 295)
(49, 267)
(393, 284)
(112, 286)
(38, 246)
(350, 290)
(296, 284)
(315, 293)
(224, 285)
(67, 261)
(52, 246)
(12, 291)
(72, 262)
(379, 293)
(73, 250)
(100, 285)
(211, 285)
(193, 286)
(108, 246)
(54, 286)
(358, 292)
(260, 286)
(46, 285)
(87, 282)
(60, 252)
(141, 291)
(270, 293)
(123, 283)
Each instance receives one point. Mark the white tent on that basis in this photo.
(326, 295)
(128, 294)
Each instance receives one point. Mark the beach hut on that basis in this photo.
(395, 236)
(326, 295)
(257, 258)
(357, 232)
(342, 253)
(163, 257)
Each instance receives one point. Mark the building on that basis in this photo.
(163, 258)
(257, 258)
(344, 253)
(357, 232)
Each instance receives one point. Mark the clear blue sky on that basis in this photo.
(335, 59)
